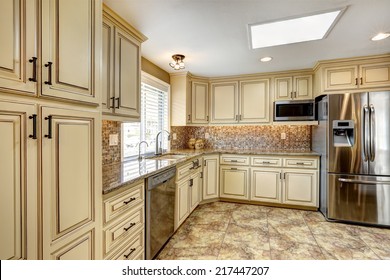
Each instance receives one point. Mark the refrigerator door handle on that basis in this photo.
(367, 182)
(366, 133)
(372, 133)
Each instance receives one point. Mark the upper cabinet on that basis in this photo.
(121, 86)
(63, 65)
(244, 102)
(353, 75)
(200, 102)
(294, 87)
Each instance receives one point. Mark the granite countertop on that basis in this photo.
(116, 175)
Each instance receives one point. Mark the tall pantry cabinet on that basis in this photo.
(50, 127)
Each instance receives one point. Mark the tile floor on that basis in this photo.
(231, 231)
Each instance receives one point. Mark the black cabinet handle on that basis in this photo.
(33, 60)
(117, 104)
(34, 119)
(49, 65)
(131, 251)
(130, 200)
(49, 134)
(113, 102)
(129, 227)
(191, 182)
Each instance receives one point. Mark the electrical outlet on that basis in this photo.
(174, 136)
(283, 135)
(113, 140)
(206, 135)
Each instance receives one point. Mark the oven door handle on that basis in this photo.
(367, 182)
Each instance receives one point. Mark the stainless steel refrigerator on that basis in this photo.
(353, 137)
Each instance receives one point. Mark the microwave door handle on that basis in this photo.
(365, 129)
(372, 133)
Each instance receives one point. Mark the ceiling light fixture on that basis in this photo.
(266, 59)
(293, 30)
(177, 62)
(381, 36)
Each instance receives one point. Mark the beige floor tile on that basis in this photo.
(297, 251)
(239, 250)
(199, 236)
(378, 239)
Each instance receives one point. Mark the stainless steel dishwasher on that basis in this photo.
(160, 206)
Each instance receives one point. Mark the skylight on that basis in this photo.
(293, 30)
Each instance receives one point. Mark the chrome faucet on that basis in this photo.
(139, 149)
(159, 149)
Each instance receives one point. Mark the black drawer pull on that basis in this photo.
(34, 118)
(300, 163)
(113, 102)
(233, 160)
(130, 200)
(129, 227)
(33, 60)
(266, 162)
(131, 251)
(118, 101)
(49, 65)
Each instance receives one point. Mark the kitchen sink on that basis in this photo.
(169, 157)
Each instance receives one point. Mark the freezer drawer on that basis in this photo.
(363, 199)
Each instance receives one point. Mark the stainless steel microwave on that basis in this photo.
(294, 110)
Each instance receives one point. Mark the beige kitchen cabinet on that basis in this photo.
(300, 187)
(121, 78)
(64, 64)
(224, 102)
(266, 185)
(124, 222)
(353, 74)
(18, 183)
(234, 182)
(71, 196)
(200, 103)
(18, 35)
(180, 98)
(188, 189)
(254, 101)
(210, 177)
(295, 87)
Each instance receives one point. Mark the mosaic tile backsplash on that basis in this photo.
(266, 137)
(111, 154)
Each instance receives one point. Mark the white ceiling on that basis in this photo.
(213, 34)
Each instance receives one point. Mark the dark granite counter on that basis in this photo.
(117, 175)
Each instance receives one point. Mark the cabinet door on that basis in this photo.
(254, 101)
(283, 88)
(127, 74)
(182, 208)
(266, 185)
(195, 186)
(300, 187)
(303, 87)
(200, 102)
(18, 183)
(375, 75)
(234, 182)
(71, 193)
(108, 67)
(68, 49)
(211, 177)
(18, 33)
(224, 102)
(339, 78)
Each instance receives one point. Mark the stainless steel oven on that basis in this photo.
(294, 110)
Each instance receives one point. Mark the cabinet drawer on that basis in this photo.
(184, 170)
(115, 234)
(133, 250)
(122, 202)
(234, 160)
(300, 162)
(266, 161)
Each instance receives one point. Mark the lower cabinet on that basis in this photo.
(71, 202)
(124, 223)
(188, 190)
(210, 177)
(300, 187)
(266, 185)
(234, 182)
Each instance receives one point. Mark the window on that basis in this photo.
(154, 118)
